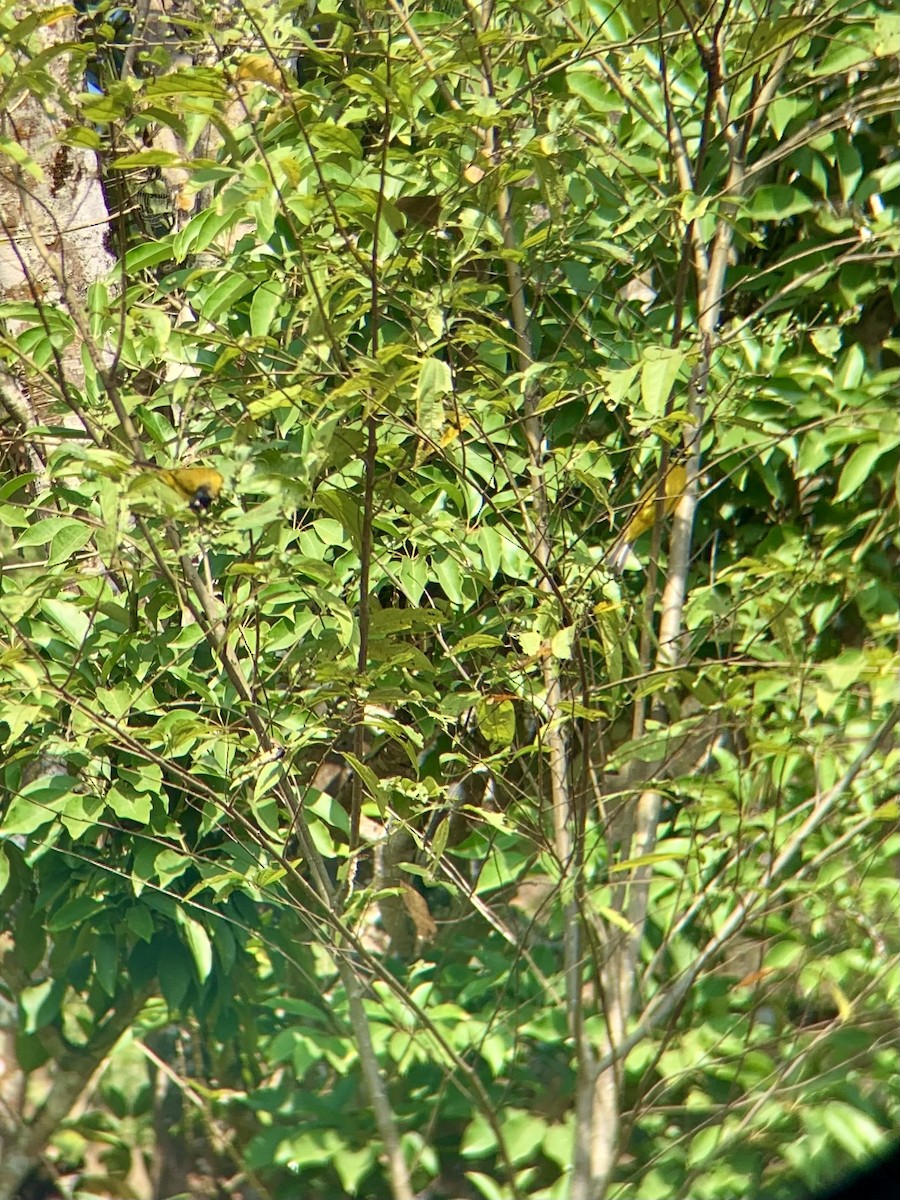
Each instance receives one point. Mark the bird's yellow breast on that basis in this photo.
(199, 486)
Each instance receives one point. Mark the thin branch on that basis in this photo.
(668, 1002)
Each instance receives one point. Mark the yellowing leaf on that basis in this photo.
(260, 68)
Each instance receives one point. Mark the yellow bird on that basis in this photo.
(199, 486)
(652, 500)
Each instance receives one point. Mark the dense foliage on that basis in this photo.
(370, 834)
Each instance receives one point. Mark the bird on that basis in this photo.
(654, 498)
(199, 486)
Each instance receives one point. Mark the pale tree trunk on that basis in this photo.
(619, 970)
(53, 230)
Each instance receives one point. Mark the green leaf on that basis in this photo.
(352, 1166)
(449, 575)
(562, 642)
(224, 295)
(854, 1129)
(168, 865)
(849, 165)
(75, 912)
(593, 87)
(859, 467)
(69, 619)
(140, 921)
(704, 1144)
(40, 1004)
(81, 137)
(200, 232)
(147, 255)
(559, 1143)
(434, 383)
(438, 841)
(174, 970)
(80, 812)
(46, 530)
(146, 158)
(659, 370)
(777, 202)
(370, 780)
(22, 159)
(784, 954)
(267, 777)
(68, 542)
(885, 36)
(37, 804)
(189, 83)
(649, 860)
(489, 1188)
(496, 720)
(843, 56)
(264, 308)
(106, 963)
(478, 1139)
(523, 1134)
(613, 917)
(127, 804)
(477, 641)
(199, 944)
